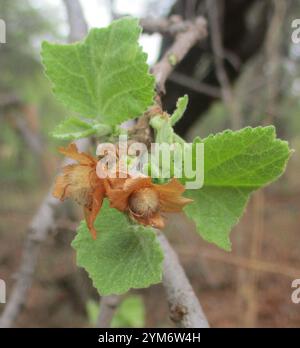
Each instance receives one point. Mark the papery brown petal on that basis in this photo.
(92, 211)
(72, 152)
(60, 187)
(116, 183)
(73, 183)
(154, 220)
(135, 184)
(170, 196)
(119, 197)
(157, 221)
(81, 183)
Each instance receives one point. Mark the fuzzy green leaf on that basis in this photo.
(235, 164)
(123, 256)
(105, 76)
(75, 128)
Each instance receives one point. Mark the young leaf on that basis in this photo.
(123, 256)
(164, 132)
(75, 128)
(105, 76)
(163, 125)
(131, 313)
(235, 164)
(181, 106)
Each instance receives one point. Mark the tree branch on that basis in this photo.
(108, 306)
(184, 41)
(10, 100)
(77, 22)
(38, 231)
(31, 139)
(184, 306)
(172, 25)
(185, 309)
(194, 84)
(219, 55)
(44, 218)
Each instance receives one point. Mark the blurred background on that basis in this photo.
(251, 286)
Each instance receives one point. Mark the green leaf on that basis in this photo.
(163, 125)
(75, 128)
(130, 313)
(105, 76)
(92, 309)
(123, 256)
(164, 132)
(181, 106)
(235, 164)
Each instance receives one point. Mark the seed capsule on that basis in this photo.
(144, 202)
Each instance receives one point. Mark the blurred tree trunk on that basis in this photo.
(273, 53)
(243, 26)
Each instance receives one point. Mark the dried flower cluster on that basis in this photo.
(139, 197)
